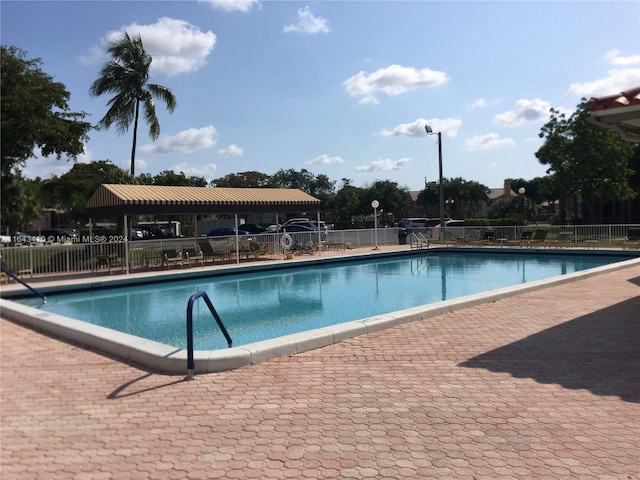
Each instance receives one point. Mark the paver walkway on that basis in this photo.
(542, 385)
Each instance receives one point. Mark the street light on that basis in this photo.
(450, 204)
(521, 191)
(431, 132)
(375, 204)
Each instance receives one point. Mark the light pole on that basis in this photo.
(450, 204)
(521, 191)
(431, 132)
(375, 204)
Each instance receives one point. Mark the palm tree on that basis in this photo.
(126, 75)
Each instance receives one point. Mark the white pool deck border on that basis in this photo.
(166, 359)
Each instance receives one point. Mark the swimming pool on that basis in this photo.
(334, 300)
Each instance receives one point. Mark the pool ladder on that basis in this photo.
(19, 280)
(190, 361)
(420, 240)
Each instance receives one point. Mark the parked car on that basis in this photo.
(58, 235)
(313, 224)
(150, 231)
(137, 233)
(294, 227)
(253, 228)
(226, 232)
(452, 230)
(303, 233)
(413, 222)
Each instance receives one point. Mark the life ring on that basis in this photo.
(286, 241)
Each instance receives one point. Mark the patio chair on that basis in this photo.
(563, 239)
(19, 267)
(172, 256)
(207, 249)
(193, 255)
(474, 237)
(258, 249)
(633, 239)
(539, 237)
(525, 236)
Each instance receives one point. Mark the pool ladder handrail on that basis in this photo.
(420, 240)
(19, 280)
(190, 361)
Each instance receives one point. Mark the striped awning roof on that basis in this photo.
(116, 199)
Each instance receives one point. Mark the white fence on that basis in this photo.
(39, 259)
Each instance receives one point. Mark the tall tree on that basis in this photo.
(466, 197)
(127, 75)
(317, 185)
(250, 179)
(393, 199)
(588, 161)
(347, 203)
(21, 202)
(35, 113)
(70, 191)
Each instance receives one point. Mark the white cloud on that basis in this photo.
(46, 167)
(325, 160)
(479, 103)
(614, 57)
(186, 141)
(307, 23)
(207, 171)
(490, 141)
(232, 150)
(448, 126)
(392, 80)
(141, 164)
(616, 80)
(383, 165)
(175, 45)
(524, 111)
(233, 5)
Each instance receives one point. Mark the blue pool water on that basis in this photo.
(268, 304)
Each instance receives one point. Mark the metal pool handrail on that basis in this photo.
(18, 279)
(190, 361)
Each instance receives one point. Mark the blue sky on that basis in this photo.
(342, 88)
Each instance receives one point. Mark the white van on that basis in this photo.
(420, 222)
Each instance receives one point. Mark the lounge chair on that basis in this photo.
(539, 237)
(633, 239)
(563, 239)
(19, 267)
(193, 255)
(172, 256)
(207, 250)
(525, 236)
(258, 249)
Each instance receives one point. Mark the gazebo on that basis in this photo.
(113, 200)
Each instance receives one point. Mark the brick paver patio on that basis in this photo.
(542, 385)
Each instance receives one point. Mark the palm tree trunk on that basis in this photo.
(135, 137)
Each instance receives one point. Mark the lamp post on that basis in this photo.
(521, 191)
(450, 204)
(375, 204)
(431, 132)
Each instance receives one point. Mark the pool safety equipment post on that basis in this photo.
(375, 204)
(431, 132)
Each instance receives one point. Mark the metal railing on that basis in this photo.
(191, 364)
(40, 259)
